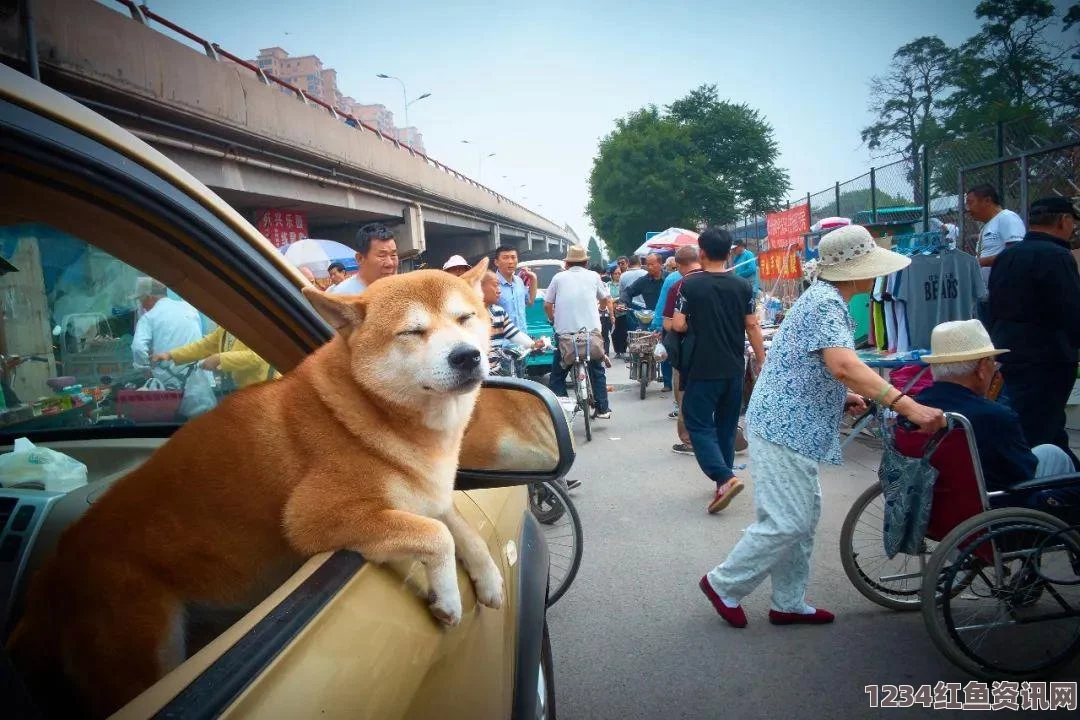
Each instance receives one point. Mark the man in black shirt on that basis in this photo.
(1035, 312)
(648, 285)
(716, 311)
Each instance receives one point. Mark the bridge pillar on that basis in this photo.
(410, 234)
(496, 237)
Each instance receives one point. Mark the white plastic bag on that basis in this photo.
(153, 384)
(660, 352)
(29, 466)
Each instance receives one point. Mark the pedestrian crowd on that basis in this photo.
(703, 303)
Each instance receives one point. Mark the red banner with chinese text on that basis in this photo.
(782, 264)
(282, 227)
(787, 226)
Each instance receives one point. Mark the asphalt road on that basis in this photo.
(635, 638)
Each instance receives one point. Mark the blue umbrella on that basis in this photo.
(318, 254)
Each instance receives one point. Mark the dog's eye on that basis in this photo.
(462, 319)
(417, 332)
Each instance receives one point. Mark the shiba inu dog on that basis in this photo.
(355, 448)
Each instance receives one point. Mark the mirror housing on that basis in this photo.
(518, 434)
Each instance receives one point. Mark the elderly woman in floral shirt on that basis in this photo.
(794, 425)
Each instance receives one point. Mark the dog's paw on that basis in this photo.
(445, 608)
(489, 589)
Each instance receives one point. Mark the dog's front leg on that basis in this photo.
(382, 536)
(487, 580)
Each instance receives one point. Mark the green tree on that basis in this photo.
(908, 103)
(1014, 68)
(701, 160)
(595, 256)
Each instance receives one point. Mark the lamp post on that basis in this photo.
(479, 160)
(404, 95)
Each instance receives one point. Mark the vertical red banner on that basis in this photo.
(282, 227)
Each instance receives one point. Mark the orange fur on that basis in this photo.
(322, 459)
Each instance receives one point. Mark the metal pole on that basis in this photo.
(404, 99)
(1024, 188)
(30, 36)
(960, 211)
(926, 188)
(1001, 153)
(838, 198)
(873, 195)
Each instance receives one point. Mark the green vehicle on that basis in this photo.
(539, 363)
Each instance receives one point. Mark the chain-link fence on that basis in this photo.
(913, 190)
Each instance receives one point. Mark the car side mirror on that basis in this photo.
(518, 434)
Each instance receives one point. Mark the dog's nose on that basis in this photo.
(464, 357)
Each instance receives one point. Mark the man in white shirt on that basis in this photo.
(376, 255)
(570, 303)
(168, 324)
(1000, 229)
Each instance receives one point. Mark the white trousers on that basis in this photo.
(788, 499)
(1052, 461)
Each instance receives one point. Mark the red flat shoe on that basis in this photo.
(735, 616)
(818, 617)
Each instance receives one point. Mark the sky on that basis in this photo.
(539, 84)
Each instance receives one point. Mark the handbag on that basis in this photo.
(592, 349)
(907, 485)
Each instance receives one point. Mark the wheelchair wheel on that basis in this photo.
(892, 583)
(1018, 615)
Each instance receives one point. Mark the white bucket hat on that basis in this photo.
(456, 261)
(960, 340)
(850, 253)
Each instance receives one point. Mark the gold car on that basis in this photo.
(91, 219)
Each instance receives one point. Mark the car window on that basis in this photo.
(88, 340)
(544, 274)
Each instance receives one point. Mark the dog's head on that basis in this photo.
(415, 339)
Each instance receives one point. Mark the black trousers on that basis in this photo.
(1038, 393)
(605, 329)
(618, 335)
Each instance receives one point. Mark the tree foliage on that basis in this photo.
(700, 160)
(908, 103)
(596, 257)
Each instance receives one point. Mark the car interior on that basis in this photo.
(68, 375)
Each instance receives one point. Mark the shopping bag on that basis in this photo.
(907, 485)
(30, 466)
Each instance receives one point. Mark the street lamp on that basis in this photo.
(404, 95)
(479, 160)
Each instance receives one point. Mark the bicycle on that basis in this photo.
(551, 505)
(583, 394)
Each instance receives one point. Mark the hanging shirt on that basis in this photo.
(938, 288)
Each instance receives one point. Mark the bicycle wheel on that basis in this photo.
(564, 540)
(1019, 616)
(643, 377)
(544, 504)
(581, 393)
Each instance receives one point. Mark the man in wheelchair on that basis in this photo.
(963, 365)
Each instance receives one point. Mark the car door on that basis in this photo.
(337, 636)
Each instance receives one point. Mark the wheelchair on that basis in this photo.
(997, 575)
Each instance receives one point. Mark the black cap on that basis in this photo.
(1054, 206)
(739, 241)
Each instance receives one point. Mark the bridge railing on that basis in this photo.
(143, 14)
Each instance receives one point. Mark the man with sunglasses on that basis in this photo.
(962, 358)
(376, 256)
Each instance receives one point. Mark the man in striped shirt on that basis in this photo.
(503, 330)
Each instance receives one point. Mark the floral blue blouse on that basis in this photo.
(797, 402)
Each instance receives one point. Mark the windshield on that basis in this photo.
(544, 274)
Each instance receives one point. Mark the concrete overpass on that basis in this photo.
(260, 143)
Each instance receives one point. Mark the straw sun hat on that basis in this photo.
(960, 340)
(850, 253)
(576, 253)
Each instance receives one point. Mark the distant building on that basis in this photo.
(307, 73)
(411, 136)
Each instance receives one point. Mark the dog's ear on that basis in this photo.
(341, 311)
(476, 274)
